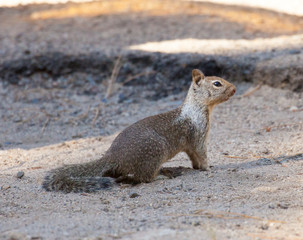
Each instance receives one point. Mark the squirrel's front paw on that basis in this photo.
(201, 166)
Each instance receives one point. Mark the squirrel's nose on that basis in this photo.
(233, 91)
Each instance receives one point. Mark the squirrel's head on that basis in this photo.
(211, 91)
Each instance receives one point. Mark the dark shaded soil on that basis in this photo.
(57, 40)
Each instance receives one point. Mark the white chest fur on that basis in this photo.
(193, 112)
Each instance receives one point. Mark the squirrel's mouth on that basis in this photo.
(230, 92)
(233, 91)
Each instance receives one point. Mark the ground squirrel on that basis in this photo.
(138, 152)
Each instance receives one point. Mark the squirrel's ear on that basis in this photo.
(197, 75)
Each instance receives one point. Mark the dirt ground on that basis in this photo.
(254, 188)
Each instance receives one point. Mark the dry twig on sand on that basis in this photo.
(113, 77)
(98, 108)
(269, 128)
(250, 92)
(223, 215)
(267, 237)
(45, 125)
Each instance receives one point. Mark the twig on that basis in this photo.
(137, 75)
(264, 236)
(269, 128)
(97, 114)
(45, 125)
(228, 156)
(227, 215)
(224, 215)
(250, 92)
(297, 157)
(113, 77)
(34, 168)
(297, 110)
(250, 156)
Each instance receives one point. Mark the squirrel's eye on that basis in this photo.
(217, 84)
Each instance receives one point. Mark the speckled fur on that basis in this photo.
(138, 152)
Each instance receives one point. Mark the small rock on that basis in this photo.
(294, 51)
(77, 136)
(283, 205)
(105, 201)
(20, 174)
(27, 51)
(196, 224)
(134, 195)
(106, 209)
(16, 235)
(122, 98)
(5, 187)
(293, 108)
(36, 238)
(264, 227)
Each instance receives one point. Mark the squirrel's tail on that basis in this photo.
(85, 177)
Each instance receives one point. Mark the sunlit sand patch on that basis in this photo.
(290, 7)
(250, 18)
(13, 3)
(219, 46)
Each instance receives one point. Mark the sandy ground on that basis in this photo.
(255, 186)
(253, 191)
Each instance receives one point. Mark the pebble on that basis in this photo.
(5, 187)
(196, 224)
(264, 227)
(104, 201)
(134, 195)
(106, 209)
(283, 205)
(294, 51)
(16, 235)
(293, 108)
(122, 98)
(20, 174)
